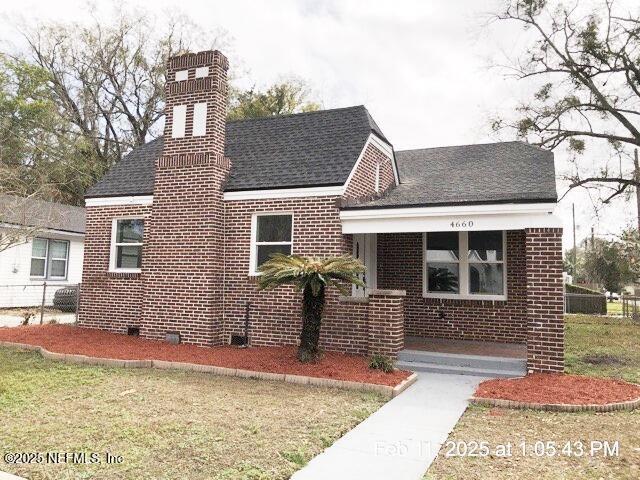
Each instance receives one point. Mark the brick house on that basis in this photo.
(459, 242)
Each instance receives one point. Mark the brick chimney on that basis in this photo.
(196, 103)
(183, 262)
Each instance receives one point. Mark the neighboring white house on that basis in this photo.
(50, 249)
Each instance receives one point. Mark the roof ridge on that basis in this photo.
(474, 145)
(287, 115)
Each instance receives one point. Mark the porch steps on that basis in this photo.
(460, 364)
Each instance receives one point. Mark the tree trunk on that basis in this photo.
(636, 176)
(312, 307)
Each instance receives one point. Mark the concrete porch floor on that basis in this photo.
(466, 347)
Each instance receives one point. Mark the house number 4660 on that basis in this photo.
(462, 224)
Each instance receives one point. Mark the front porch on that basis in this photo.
(466, 347)
(463, 357)
(488, 286)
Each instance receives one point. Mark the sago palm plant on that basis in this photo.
(311, 276)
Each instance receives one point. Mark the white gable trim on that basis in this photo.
(381, 145)
(335, 191)
(111, 201)
(451, 218)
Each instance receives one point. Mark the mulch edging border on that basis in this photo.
(557, 407)
(388, 391)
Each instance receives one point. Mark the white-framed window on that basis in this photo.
(126, 245)
(465, 265)
(49, 258)
(270, 233)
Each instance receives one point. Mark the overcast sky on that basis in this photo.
(420, 67)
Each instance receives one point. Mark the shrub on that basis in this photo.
(381, 362)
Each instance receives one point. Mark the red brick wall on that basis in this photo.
(545, 336)
(386, 323)
(109, 301)
(275, 314)
(400, 268)
(363, 182)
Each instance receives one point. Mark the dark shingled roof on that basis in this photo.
(300, 150)
(507, 172)
(29, 212)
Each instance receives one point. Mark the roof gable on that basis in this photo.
(483, 173)
(288, 151)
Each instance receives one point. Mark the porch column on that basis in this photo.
(545, 313)
(386, 322)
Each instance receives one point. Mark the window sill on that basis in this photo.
(123, 273)
(481, 298)
(44, 279)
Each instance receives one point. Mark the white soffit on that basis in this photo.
(128, 200)
(453, 218)
(334, 191)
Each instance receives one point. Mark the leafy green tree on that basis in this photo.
(311, 276)
(285, 97)
(84, 94)
(605, 265)
(630, 242)
(585, 59)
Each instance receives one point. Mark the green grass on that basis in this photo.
(596, 346)
(166, 424)
(603, 347)
(614, 308)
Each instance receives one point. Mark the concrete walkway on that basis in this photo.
(400, 440)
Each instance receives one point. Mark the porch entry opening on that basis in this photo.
(365, 249)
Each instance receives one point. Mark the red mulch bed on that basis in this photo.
(98, 343)
(559, 388)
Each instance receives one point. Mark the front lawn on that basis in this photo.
(166, 424)
(603, 347)
(597, 346)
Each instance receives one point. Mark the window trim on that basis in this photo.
(463, 268)
(50, 258)
(114, 244)
(253, 253)
(46, 258)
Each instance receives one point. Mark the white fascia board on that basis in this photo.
(113, 201)
(335, 191)
(443, 219)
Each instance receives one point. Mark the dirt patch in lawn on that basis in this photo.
(98, 343)
(557, 388)
(603, 359)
